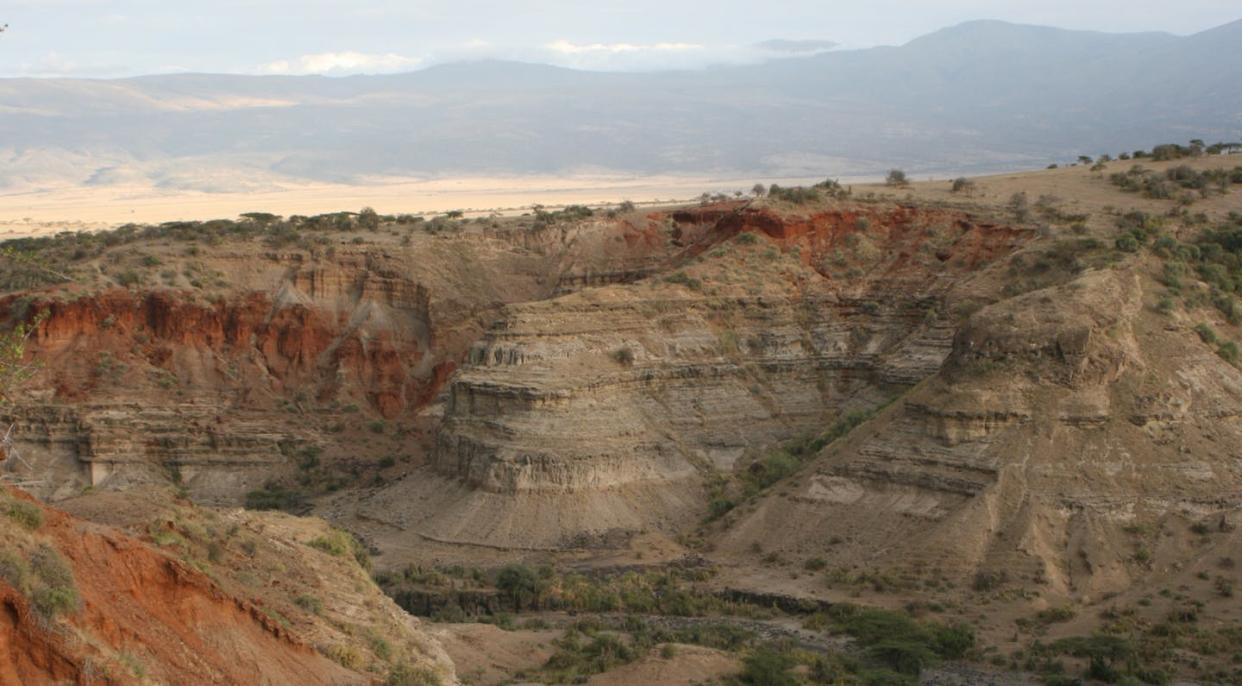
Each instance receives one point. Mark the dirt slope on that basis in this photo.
(140, 615)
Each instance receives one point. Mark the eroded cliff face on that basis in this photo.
(139, 614)
(247, 356)
(609, 408)
(219, 385)
(1051, 449)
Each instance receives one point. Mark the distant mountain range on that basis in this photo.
(980, 96)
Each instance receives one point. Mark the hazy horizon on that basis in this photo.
(93, 39)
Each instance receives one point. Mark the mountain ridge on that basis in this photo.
(990, 95)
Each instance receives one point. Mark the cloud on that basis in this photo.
(568, 48)
(337, 63)
(796, 47)
(55, 65)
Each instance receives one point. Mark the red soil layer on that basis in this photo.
(900, 228)
(286, 348)
(171, 618)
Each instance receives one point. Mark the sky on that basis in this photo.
(113, 38)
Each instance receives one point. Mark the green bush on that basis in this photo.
(1206, 333)
(521, 583)
(686, 280)
(129, 278)
(274, 497)
(406, 674)
(900, 643)
(27, 514)
(767, 666)
(14, 570)
(896, 177)
(719, 506)
(901, 656)
(1228, 352)
(309, 603)
(576, 659)
(797, 195)
(815, 564)
(56, 592)
(339, 543)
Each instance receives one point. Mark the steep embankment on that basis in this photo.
(85, 603)
(605, 411)
(1074, 443)
(216, 363)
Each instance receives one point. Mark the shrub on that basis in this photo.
(772, 468)
(14, 570)
(27, 514)
(309, 603)
(963, 185)
(904, 657)
(575, 660)
(520, 583)
(1173, 274)
(718, 507)
(1206, 333)
(1055, 615)
(346, 656)
(988, 581)
(1020, 207)
(797, 195)
(274, 497)
(339, 543)
(129, 278)
(624, 356)
(898, 642)
(57, 593)
(896, 177)
(1228, 352)
(405, 674)
(768, 667)
(683, 279)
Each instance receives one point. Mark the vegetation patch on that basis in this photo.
(339, 543)
(26, 514)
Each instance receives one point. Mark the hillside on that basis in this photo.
(196, 600)
(973, 432)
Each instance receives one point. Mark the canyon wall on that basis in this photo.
(610, 408)
(1052, 449)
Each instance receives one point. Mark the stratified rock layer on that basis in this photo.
(1067, 429)
(606, 409)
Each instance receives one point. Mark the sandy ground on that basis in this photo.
(29, 212)
(50, 210)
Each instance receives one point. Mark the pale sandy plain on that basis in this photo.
(75, 208)
(39, 211)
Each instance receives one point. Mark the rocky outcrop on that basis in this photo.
(634, 394)
(1050, 437)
